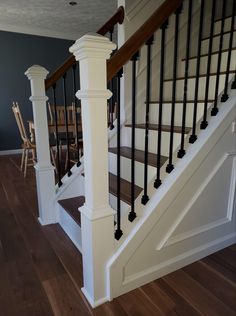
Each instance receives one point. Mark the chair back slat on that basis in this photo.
(20, 123)
(61, 117)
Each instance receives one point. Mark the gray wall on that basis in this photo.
(17, 53)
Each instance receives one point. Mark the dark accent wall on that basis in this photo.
(17, 53)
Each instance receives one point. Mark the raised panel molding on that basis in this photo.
(169, 240)
(178, 262)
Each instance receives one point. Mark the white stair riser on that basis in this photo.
(214, 62)
(216, 43)
(124, 207)
(126, 169)
(71, 228)
(154, 113)
(152, 141)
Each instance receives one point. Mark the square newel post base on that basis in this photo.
(97, 229)
(45, 193)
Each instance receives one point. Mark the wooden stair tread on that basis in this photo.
(165, 128)
(71, 206)
(125, 188)
(139, 155)
(201, 75)
(205, 55)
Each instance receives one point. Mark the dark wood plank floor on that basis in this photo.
(41, 270)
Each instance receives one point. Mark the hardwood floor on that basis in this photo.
(41, 270)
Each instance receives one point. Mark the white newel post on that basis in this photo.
(44, 170)
(97, 217)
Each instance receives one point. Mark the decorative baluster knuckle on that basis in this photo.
(179, 10)
(135, 57)
(150, 40)
(165, 25)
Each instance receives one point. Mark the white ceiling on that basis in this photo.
(55, 18)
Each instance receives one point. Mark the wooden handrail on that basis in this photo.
(118, 17)
(140, 37)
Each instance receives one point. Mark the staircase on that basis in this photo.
(139, 153)
(163, 149)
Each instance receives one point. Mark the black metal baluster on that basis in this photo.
(118, 232)
(157, 182)
(204, 122)
(170, 165)
(69, 173)
(76, 114)
(215, 110)
(57, 138)
(225, 94)
(111, 34)
(111, 103)
(149, 43)
(132, 214)
(111, 88)
(181, 151)
(193, 137)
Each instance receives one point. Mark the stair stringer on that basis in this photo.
(152, 248)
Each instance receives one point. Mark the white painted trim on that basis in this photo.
(135, 9)
(167, 240)
(181, 260)
(93, 303)
(40, 221)
(10, 152)
(232, 189)
(196, 231)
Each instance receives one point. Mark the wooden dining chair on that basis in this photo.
(27, 146)
(60, 115)
(76, 146)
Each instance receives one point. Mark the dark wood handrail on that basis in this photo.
(140, 37)
(118, 17)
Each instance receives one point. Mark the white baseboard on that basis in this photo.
(92, 302)
(10, 152)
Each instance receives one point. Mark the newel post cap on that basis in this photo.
(36, 71)
(92, 45)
